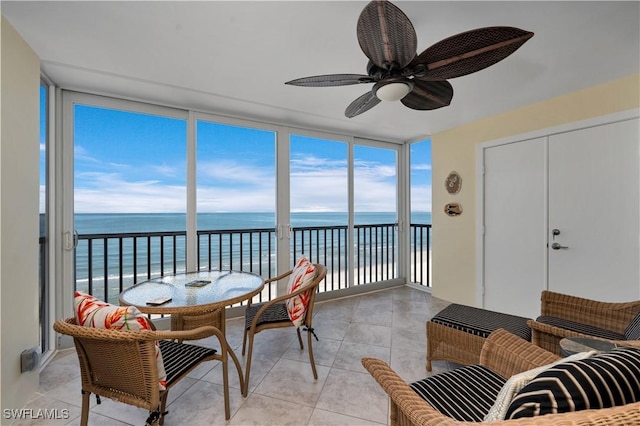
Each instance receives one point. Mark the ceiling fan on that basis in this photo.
(388, 39)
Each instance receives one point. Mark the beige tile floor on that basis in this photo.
(388, 324)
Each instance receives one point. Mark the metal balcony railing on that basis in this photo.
(106, 264)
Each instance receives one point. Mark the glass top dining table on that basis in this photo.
(203, 295)
(216, 289)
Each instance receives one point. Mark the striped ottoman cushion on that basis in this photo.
(465, 394)
(589, 330)
(605, 380)
(481, 322)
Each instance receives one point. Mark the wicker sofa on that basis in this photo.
(563, 315)
(505, 354)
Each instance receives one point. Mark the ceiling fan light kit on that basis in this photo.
(388, 39)
(394, 90)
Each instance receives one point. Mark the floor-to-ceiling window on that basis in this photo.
(375, 206)
(319, 201)
(44, 284)
(159, 190)
(420, 229)
(236, 198)
(129, 178)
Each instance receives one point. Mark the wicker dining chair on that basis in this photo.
(121, 364)
(273, 314)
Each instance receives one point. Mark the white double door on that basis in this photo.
(561, 212)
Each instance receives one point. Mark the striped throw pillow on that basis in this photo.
(518, 381)
(93, 312)
(302, 274)
(605, 380)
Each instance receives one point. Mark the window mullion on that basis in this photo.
(192, 237)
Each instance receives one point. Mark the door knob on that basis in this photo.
(557, 246)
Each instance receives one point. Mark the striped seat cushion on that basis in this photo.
(464, 394)
(274, 313)
(589, 330)
(481, 322)
(179, 358)
(605, 380)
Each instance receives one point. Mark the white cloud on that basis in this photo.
(110, 193)
(231, 171)
(232, 200)
(81, 154)
(166, 170)
(421, 198)
(43, 198)
(311, 162)
(423, 166)
(316, 185)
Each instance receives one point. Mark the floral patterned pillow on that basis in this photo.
(302, 274)
(93, 312)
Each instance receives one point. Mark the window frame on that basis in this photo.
(64, 210)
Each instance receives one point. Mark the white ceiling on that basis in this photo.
(232, 58)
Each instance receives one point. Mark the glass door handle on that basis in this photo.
(70, 240)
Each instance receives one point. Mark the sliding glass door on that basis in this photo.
(159, 190)
(129, 194)
(420, 228)
(319, 197)
(375, 197)
(44, 240)
(236, 198)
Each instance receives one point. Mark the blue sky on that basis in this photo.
(129, 162)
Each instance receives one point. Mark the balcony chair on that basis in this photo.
(275, 313)
(469, 395)
(563, 316)
(122, 364)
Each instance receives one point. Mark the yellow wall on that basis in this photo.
(19, 224)
(454, 238)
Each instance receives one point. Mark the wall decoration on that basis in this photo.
(453, 209)
(453, 183)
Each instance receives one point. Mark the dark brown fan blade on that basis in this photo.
(331, 80)
(386, 35)
(428, 95)
(362, 104)
(471, 51)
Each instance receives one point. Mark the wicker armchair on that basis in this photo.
(585, 317)
(506, 354)
(121, 365)
(273, 314)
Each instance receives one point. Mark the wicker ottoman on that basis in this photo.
(458, 332)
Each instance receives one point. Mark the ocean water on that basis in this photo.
(107, 223)
(128, 262)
